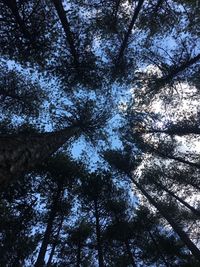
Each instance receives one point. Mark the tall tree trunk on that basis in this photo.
(192, 209)
(78, 260)
(127, 35)
(55, 242)
(98, 235)
(176, 131)
(22, 152)
(178, 229)
(12, 5)
(158, 249)
(151, 149)
(69, 35)
(130, 254)
(47, 235)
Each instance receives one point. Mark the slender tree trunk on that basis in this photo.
(178, 69)
(130, 254)
(55, 242)
(178, 229)
(22, 152)
(185, 180)
(69, 35)
(192, 209)
(180, 131)
(78, 262)
(171, 157)
(158, 250)
(98, 235)
(12, 5)
(47, 235)
(127, 35)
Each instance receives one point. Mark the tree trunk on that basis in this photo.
(47, 235)
(69, 35)
(12, 5)
(171, 157)
(22, 152)
(78, 262)
(192, 209)
(98, 235)
(177, 229)
(158, 249)
(130, 254)
(55, 243)
(125, 41)
(175, 70)
(180, 131)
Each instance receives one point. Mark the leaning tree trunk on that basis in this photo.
(69, 35)
(47, 235)
(177, 229)
(127, 35)
(22, 152)
(12, 5)
(192, 209)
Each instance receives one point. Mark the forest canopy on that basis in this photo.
(99, 133)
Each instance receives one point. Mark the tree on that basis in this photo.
(114, 160)
(61, 175)
(100, 74)
(93, 190)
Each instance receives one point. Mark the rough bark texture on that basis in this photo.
(21, 153)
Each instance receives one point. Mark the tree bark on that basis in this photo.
(69, 35)
(47, 235)
(98, 235)
(177, 229)
(22, 152)
(127, 35)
